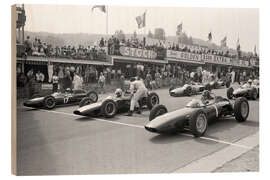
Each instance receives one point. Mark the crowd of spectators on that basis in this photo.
(225, 53)
(39, 48)
(112, 47)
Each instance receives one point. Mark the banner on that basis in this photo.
(183, 55)
(138, 53)
(216, 59)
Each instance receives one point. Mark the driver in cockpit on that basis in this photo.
(206, 97)
(118, 93)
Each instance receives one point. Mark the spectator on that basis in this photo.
(61, 78)
(122, 82)
(158, 79)
(30, 83)
(148, 80)
(40, 77)
(28, 46)
(77, 81)
(55, 81)
(67, 81)
(101, 82)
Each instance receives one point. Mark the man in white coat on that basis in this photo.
(141, 91)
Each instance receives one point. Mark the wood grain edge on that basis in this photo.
(13, 93)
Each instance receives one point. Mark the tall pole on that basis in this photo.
(107, 12)
(23, 12)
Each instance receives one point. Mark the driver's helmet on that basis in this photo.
(118, 92)
(250, 81)
(68, 90)
(206, 94)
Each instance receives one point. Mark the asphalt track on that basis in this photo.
(58, 142)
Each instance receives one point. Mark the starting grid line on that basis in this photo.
(142, 127)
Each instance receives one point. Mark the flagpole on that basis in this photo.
(107, 12)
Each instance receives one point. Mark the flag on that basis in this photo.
(179, 29)
(210, 36)
(255, 51)
(223, 42)
(141, 20)
(238, 47)
(100, 7)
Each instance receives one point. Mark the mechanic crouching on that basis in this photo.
(138, 86)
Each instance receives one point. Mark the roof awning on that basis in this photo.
(133, 59)
(63, 60)
(183, 61)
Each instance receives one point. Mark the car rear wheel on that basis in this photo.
(188, 91)
(85, 101)
(152, 100)
(157, 110)
(108, 108)
(93, 96)
(49, 102)
(241, 109)
(230, 93)
(198, 124)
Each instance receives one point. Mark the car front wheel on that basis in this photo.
(198, 124)
(109, 108)
(241, 109)
(49, 102)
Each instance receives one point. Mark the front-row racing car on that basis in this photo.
(186, 90)
(196, 116)
(61, 98)
(248, 90)
(119, 102)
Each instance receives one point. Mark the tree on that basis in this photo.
(150, 34)
(190, 40)
(120, 35)
(135, 35)
(159, 34)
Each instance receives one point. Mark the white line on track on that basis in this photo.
(97, 119)
(142, 127)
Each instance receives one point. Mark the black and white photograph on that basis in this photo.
(107, 89)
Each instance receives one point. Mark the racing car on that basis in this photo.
(59, 98)
(219, 84)
(186, 90)
(196, 116)
(247, 91)
(114, 104)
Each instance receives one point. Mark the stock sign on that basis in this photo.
(136, 52)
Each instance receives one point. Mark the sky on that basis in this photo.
(197, 22)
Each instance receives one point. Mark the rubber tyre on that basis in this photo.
(228, 84)
(237, 109)
(157, 110)
(188, 91)
(207, 87)
(85, 101)
(150, 99)
(193, 122)
(254, 94)
(93, 96)
(104, 110)
(49, 102)
(230, 93)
